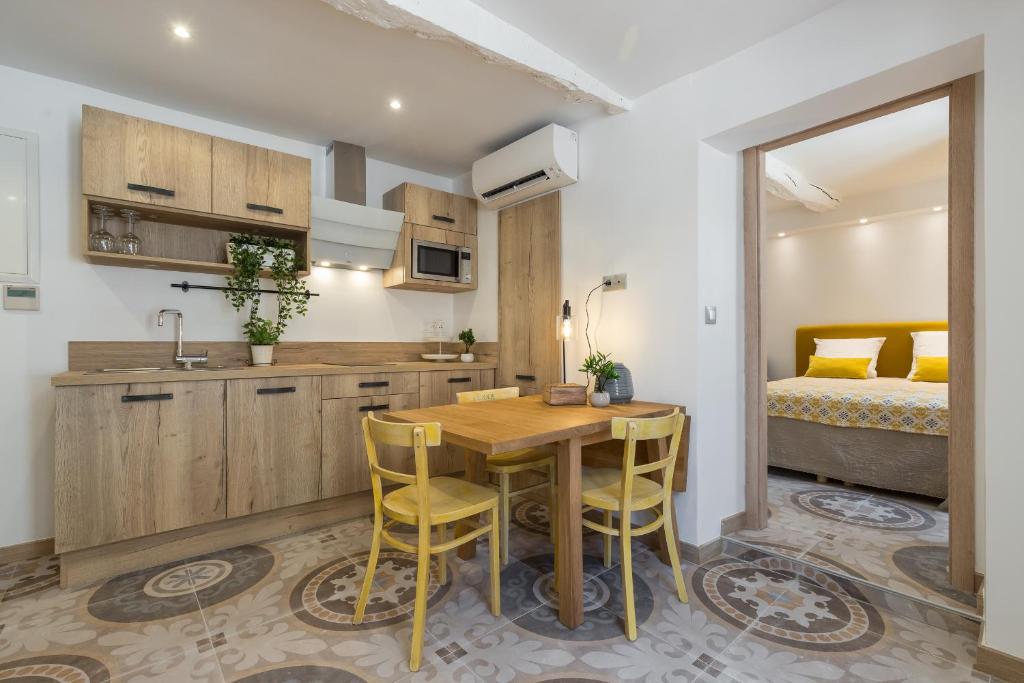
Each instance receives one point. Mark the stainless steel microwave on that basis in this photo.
(445, 262)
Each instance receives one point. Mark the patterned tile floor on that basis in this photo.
(895, 542)
(280, 612)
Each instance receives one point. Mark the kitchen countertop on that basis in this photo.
(91, 377)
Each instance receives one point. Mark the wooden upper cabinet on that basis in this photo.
(259, 183)
(433, 208)
(137, 459)
(124, 157)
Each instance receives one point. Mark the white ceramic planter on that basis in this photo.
(600, 399)
(262, 354)
(466, 357)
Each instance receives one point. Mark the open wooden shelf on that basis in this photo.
(183, 240)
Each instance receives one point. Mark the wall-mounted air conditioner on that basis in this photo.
(542, 162)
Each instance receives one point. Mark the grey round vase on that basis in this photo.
(620, 390)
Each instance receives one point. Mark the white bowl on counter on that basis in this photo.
(439, 357)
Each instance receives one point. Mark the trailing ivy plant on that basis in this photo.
(247, 254)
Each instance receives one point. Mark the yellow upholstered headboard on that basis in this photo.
(893, 360)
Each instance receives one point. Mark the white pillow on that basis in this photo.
(851, 348)
(929, 344)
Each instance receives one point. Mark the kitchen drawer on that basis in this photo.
(374, 384)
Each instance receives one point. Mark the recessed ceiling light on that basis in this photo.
(782, 234)
(182, 31)
(395, 104)
(364, 267)
(862, 221)
(937, 208)
(12, 198)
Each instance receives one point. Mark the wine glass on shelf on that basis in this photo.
(102, 240)
(129, 243)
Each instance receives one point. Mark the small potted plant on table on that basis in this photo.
(467, 338)
(598, 366)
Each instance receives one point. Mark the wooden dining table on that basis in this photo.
(490, 427)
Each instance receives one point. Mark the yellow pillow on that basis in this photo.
(931, 369)
(843, 368)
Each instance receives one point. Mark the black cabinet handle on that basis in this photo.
(366, 409)
(261, 207)
(527, 378)
(443, 219)
(363, 385)
(137, 398)
(276, 390)
(456, 380)
(149, 188)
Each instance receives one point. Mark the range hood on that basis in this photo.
(349, 234)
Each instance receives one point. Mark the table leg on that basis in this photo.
(657, 449)
(570, 533)
(475, 472)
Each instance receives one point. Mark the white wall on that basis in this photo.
(887, 270)
(660, 198)
(86, 302)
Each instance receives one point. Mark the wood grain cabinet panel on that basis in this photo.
(438, 388)
(529, 286)
(375, 384)
(125, 157)
(345, 467)
(273, 443)
(137, 459)
(259, 183)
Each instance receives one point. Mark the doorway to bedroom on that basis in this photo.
(858, 260)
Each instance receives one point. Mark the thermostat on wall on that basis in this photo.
(21, 297)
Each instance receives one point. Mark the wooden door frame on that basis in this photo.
(960, 203)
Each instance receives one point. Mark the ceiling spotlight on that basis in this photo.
(937, 208)
(12, 198)
(364, 267)
(782, 234)
(325, 264)
(862, 221)
(395, 104)
(182, 32)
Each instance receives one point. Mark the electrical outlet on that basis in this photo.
(618, 281)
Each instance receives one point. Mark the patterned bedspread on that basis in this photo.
(883, 403)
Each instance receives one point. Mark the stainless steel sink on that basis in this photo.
(103, 371)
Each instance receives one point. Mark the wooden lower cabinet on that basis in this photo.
(137, 459)
(439, 388)
(345, 467)
(273, 443)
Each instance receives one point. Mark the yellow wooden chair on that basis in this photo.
(624, 491)
(423, 502)
(522, 460)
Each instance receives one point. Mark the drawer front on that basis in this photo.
(374, 384)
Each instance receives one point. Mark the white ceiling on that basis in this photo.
(638, 45)
(901, 149)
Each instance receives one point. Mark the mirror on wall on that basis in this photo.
(19, 206)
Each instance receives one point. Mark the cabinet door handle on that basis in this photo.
(363, 385)
(138, 398)
(149, 188)
(262, 207)
(455, 380)
(366, 409)
(527, 378)
(443, 219)
(276, 390)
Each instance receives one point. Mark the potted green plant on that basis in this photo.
(598, 366)
(467, 338)
(250, 254)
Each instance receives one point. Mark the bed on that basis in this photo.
(889, 432)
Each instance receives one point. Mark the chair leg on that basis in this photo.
(673, 552)
(626, 559)
(503, 501)
(442, 560)
(371, 568)
(607, 539)
(495, 564)
(419, 616)
(552, 500)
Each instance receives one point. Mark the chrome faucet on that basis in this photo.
(179, 355)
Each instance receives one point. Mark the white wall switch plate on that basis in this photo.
(710, 315)
(21, 297)
(618, 281)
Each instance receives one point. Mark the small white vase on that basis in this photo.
(262, 354)
(600, 399)
(466, 357)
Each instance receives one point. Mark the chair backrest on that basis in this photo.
(408, 435)
(632, 430)
(487, 395)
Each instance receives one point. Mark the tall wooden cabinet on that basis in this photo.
(137, 459)
(529, 293)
